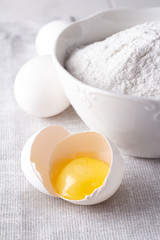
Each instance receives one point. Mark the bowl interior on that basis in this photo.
(100, 26)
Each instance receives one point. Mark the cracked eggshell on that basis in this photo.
(45, 151)
(37, 88)
(48, 34)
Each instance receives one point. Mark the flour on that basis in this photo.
(128, 62)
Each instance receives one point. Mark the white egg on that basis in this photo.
(48, 34)
(39, 160)
(38, 90)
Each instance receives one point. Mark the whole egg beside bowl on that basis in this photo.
(132, 123)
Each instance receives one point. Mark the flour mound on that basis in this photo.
(128, 62)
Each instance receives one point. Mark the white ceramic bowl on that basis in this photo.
(132, 123)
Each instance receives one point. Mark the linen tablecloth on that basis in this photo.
(133, 212)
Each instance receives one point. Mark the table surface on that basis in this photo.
(133, 212)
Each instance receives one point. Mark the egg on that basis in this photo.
(37, 88)
(48, 34)
(83, 168)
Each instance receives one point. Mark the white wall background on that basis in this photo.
(45, 10)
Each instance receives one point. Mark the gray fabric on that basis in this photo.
(132, 213)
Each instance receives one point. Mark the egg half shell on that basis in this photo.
(51, 145)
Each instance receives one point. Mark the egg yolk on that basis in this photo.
(80, 177)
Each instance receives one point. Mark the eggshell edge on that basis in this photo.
(30, 171)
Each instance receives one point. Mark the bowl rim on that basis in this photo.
(92, 88)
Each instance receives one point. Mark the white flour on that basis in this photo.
(128, 62)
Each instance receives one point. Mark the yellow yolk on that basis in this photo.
(80, 177)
